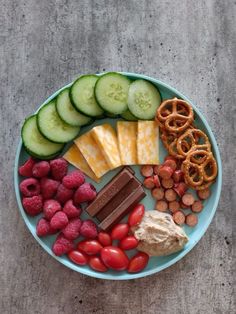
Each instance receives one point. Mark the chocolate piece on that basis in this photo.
(131, 186)
(121, 210)
(111, 189)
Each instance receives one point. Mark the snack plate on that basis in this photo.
(155, 264)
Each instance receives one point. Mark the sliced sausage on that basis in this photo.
(197, 207)
(158, 193)
(156, 180)
(170, 195)
(149, 183)
(204, 194)
(171, 163)
(156, 169)
(146, 171)
(165, 172)
(169, 157)
(179, 217)
(174, 206)
(183, 206)
(191, 220)
(188, 199)
(162, 206)
(167, 183)
(180, 188)
(178, 175)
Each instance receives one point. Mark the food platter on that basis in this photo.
(155, 264)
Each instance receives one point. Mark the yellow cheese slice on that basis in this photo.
(106, 139)
(127, 137)
(74, 157)
(148, 143)
(92, 154)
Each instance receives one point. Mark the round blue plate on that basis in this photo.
(155, 264)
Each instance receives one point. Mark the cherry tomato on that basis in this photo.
(78, 257)
(138, 262)
(114, 258)
(119, 231)
(128, 243)
(136, 215)
(90, 247)
(104, 238)
(97, 264)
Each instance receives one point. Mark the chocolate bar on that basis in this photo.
(131, 186)
(110, 190)
(125, 206)
(116, 199)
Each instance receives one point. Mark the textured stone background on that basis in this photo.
(188, 44)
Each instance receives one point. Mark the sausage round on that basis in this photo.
(188, 199)
(167, 183)
(165, 172)
(197, 207)
(204, 194)
(174, 206)
(180, 188)
(191, 220)
(162, 206)
(146, 170)
(170, 195)
(178, 175)
(158, 193)
(149, 183)
(171, 163)
(179, 217)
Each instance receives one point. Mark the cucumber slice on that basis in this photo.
(127, 115)
(36, 144)
(67, 111)
(111, 91)
(52, 127)
(143, 99)
(82, 96)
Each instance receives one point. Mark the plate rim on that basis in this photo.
(157, 269)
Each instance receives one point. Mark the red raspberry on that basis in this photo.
(88, 229)
(41, 169)
(59, 220)
(30, 187)
(63, 194)
(62, 245)
(50, 207)
(73, 179)
(26, 169)
(71, 231)
(71, 210)
(43, 228)
(86, 192)
(33, 205)
(48, 188)
(58, 168)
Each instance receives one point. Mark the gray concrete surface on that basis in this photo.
(188, 44)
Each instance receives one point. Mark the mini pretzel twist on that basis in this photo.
(193, 137)
(199, 168)
(175, 115)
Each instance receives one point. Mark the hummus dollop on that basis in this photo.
(159, 235)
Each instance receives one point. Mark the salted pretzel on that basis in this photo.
(196, 139)
(169, 140)
(175, 115)
(199, 168)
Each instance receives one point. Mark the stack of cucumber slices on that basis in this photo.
(89, 97)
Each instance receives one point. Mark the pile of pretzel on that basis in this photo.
(187, 143)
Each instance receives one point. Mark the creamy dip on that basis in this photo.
(159, 235)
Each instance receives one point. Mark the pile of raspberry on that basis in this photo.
(57, 195)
